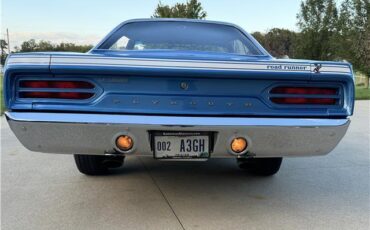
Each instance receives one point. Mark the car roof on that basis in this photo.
(179, 20)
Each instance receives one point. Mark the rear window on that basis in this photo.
(185, 36)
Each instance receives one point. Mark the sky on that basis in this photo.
(88, 21)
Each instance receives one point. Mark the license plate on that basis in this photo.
(181, 145)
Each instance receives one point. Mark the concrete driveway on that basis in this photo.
(45, 191)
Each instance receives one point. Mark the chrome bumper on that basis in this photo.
(95, 133)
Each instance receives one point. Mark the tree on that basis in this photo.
(44, 46)
(4, 54)
(354, 34)
(362, 37)
(329, 35)
(190, 9)
(72, 47)
(317, 20)
(28, 46)
(260, 37)
(278, 42)
(345, 34)
(33, 46)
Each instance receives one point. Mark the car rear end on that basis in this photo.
(83, 103)
(177, 90)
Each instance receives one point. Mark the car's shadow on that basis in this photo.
(199, 177)
(212, 167)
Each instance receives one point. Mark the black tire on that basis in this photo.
(260, 166)
(96, 164)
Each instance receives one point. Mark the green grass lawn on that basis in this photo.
(362, 93)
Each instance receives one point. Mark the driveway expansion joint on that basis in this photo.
(162, 193)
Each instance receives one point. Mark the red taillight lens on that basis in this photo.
(57, 84)
(304, 95)
(311, 101)
(304, 90)
(56, 95)
(49, 87)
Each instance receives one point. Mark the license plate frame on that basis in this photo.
(182, 134)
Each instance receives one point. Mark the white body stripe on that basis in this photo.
(275, 66)
(180, 64)
(337, 69)
(31, 60)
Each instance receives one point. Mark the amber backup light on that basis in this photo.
(124, 143)
(239, 145)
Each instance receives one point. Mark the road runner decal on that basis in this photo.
(288, 67)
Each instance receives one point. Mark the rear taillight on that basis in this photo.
(304, 90)
(56, 95)
(312, 101)
(57, 84)
(304, 95)
(55, 89)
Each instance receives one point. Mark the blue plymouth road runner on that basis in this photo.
(179, 90)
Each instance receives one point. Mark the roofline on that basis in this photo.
(254, 41)
(178, 20)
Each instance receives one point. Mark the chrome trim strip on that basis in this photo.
(171, 120)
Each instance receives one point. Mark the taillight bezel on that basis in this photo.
(338, 96)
